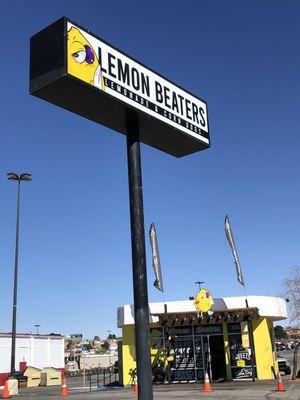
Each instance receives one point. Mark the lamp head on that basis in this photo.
(25, 177)
(12, 176)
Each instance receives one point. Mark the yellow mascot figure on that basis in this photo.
(83, 62)
(203, 301)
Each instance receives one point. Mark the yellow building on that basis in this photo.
(218, 342)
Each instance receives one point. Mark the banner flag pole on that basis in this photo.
(240, 278)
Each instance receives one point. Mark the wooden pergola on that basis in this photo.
(217, 317)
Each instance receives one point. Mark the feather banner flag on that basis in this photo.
(158, 283)
(230, 239)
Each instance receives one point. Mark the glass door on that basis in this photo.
(206, 355)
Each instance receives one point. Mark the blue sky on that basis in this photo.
(75, 255)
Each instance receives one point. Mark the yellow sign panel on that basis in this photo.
(240, 363)
(203, 301)
(245, 341)
(245, 335)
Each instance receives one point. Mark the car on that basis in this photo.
(284, 366)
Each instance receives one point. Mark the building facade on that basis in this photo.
(37, 351)
(230, 342)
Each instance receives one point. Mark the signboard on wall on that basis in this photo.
(76, 70)
(241, 373)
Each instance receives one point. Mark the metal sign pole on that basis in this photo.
(141, 306)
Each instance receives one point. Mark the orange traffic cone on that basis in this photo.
(280, 387)
(64, 388)
(5, 393)
(135, 388)
(207, 387)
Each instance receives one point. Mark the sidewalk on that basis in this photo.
(227, 391)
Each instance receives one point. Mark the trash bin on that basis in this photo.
(50, 377)
(33, 376)
(22, 379)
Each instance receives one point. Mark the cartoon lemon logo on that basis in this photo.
(82, 59)
(203, 301)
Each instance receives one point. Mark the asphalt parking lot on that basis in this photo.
(227, 391)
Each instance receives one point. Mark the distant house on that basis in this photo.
(90, 361)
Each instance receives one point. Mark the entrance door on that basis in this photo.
(217, 357)
(202, 356)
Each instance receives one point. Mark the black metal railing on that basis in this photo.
(103, 377)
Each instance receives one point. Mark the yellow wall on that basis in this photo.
(128, 350)
(272, 335)
(263, 348)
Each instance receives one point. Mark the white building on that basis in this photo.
(35, 350)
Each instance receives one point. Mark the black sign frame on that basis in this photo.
(49, 80)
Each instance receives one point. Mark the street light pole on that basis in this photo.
(199, 283)
(37, 328)
(15, 177)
